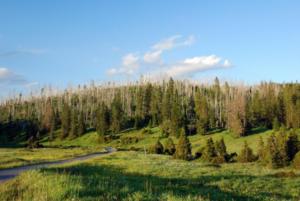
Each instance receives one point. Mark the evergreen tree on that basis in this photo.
(74, 124)
(175, 115)
(292, 145)
(158, 148)
(81, 124)
(261, 150)
(65, 120)
(116, 114)
(246, 154)
(103, 119)
(183, 148)
(167, 100)
(221, 147)
(170, 147)
(202, 112)
(209, 152)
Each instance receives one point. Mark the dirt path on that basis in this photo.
(6, 174)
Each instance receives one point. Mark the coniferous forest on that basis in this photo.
(178, 108)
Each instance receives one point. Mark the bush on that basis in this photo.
(296, 161)
(157, 148)
(147, 131)
(166, 128)
(170, 147)
(129, 140)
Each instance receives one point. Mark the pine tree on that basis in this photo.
(175, 115)
(103, 119)
(52, 128)
(202, 112)
(246, 154)
(65, 121)
(292, 145)
(81, 124)
(167, 100)
(261, 150)
(209, 152)
(158, 148)
(170, 147)
(116, 114)
(221, 147)
(183, 148)
(74, 124)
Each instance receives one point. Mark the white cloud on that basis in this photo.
(130, 64)
(195, 65)
(11, 78)
(152, 57)
(22, 51)
(172, 42)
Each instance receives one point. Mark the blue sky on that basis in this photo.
(73, 42)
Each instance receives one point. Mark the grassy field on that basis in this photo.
(61, 149)
(13, 157)
(134, 176)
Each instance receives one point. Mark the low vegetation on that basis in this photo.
(134, 176)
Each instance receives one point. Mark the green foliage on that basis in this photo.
(102, 120)
(157, 148)
(209, 152)
(296, 161)
(183, 147)
(246, 154)
(170, 147)
(65, 120)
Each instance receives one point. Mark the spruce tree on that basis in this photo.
(183, 147)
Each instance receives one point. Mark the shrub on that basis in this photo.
(296, 161)
(170, 147)
(246, 154)
(166, 128)
(183, 148)
(157, 148)
(129, 140)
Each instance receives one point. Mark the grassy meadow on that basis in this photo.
(134, 176)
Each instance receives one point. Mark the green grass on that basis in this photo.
(13, 157)
(134, 176)
(61, 149)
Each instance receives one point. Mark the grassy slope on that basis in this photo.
(133, 176)
(89, 142)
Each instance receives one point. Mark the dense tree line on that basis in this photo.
(170, 104)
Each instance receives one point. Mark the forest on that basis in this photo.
(179, 108)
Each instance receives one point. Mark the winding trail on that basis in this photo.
(10, 173)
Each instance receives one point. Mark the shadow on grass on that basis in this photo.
(111, 183)
(258, 130)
